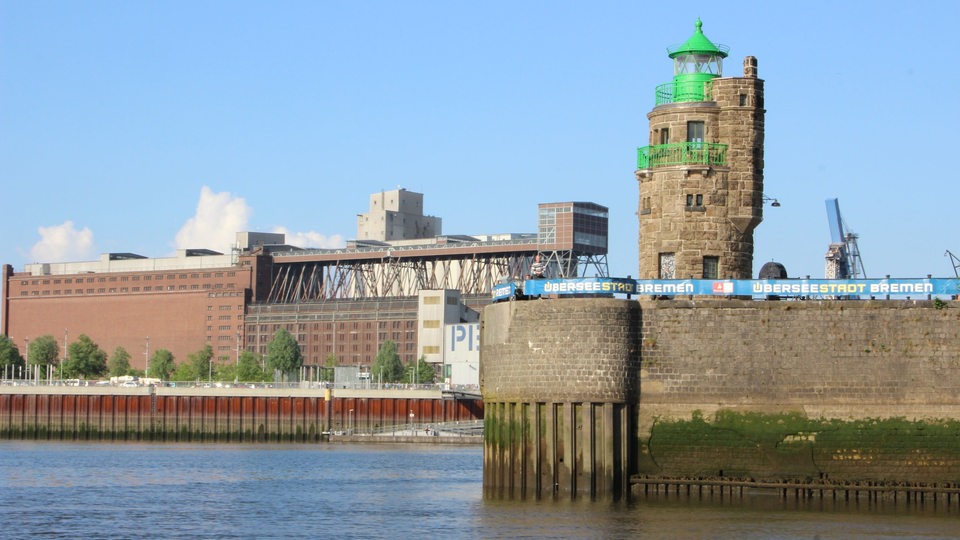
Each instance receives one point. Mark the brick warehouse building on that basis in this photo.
(341, 302)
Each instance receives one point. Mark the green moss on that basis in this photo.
(792, 445)
(500, 433)
(895, 434)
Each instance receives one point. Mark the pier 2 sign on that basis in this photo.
(464, 338)
(461, 354)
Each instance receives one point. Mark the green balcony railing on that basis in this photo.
(686, 91)
(685, 153)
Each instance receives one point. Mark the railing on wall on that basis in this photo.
(685, 153)
(684, 92)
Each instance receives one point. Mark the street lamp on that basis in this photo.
(773, 202)
(350, 423)
(412, 432)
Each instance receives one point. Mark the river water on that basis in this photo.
(134, 490)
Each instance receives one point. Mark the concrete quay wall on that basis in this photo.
(582, 392)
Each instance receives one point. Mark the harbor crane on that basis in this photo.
(843, 256)
(954, 261)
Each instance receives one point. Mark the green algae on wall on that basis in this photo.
(500, 432)
(793, 446)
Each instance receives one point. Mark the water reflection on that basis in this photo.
(126, 490)
(753, 516)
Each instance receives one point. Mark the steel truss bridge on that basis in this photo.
(304, 276)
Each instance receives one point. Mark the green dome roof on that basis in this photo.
(698, 44)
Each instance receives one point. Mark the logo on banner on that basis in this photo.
(722, 287)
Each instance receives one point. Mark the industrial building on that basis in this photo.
(400, 280)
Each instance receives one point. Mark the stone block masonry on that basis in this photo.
(553, 338)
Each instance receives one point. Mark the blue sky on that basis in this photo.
(147, 126)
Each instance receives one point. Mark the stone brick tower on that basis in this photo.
(701, 178)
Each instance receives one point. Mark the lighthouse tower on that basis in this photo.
(701, 178)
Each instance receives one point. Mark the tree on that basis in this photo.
(43, 351)
(225, 370)
(387, 366)
(329, 367)
(9, 353)
(283, 353)
(249, 368)
(424, 374)
(161, 365)
(119, 363)
(85, 359)
(201, 362)
(185, 371)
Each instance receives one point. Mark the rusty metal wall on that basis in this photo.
(215, 417)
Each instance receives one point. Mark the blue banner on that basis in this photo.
(579, 286)
(758, 288)
(504, 291)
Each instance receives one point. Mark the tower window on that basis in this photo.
(711, 267)
(664, 136)
(694, 200)
(743, 100)
(695, 132)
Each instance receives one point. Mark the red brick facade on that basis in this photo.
(178, 310)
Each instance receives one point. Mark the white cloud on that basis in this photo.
(63, 243)
(218, 218)
(311, 239)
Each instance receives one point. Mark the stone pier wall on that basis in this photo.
(560, 382)
(843, 391)
(582, 394)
